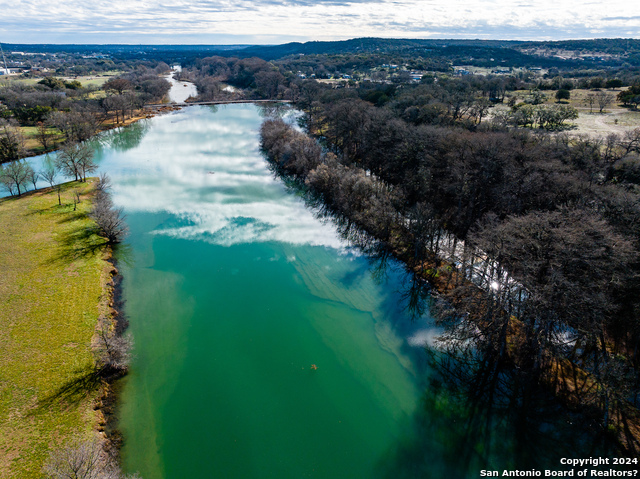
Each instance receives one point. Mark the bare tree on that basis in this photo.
(43, 135)
(76, 125)
(83, 459)
(49, 171)
(15, 174)
(104, 182)
(76, 160)
(112, 350)
(118, 84)
(604, 99)
(79, 460)
(109, 220)
(11, 142)
(33, 176)
(590, 100)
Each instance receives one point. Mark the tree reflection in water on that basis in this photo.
(479, 410)
(122, 139)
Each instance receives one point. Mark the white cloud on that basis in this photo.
(264, 21)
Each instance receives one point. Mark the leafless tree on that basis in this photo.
(11, 142)
(43, 135)
(104, 182)
(50, 171)
(83, 459)
(33, 176)
(76, 125)
(15, 175)
(79, 460)
(604, 99)
(76, 160)
(109, 220)
(113, 350)
(118, 84)
(590, 100)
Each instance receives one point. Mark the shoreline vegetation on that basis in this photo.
(37, 117)
(59, 296)
(483, 317)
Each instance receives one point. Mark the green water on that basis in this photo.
(234, 288)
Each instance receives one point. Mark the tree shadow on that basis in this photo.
(479, 412)
(81, 242)
(72, 216)
(72, 392)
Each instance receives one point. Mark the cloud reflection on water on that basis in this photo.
(206, 170)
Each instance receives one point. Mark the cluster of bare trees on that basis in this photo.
(67, 111)
(84, 459)
(109, 220)
(131, 91)
(73, 160)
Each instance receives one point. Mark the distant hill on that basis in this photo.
(366, 45)
(568, 53)
(487, 53)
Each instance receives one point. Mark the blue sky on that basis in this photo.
(275, 21)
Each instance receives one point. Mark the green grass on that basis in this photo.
(97, 79)
(31, 142)
(51, 289)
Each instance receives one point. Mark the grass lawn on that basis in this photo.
(31, 142)
(51, 290)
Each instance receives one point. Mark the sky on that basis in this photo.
(276, 21)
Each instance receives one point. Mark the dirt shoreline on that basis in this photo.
(111, 308)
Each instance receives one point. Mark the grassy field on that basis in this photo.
(51, 291)
(31, 142)
(96, 80)
(613, 119)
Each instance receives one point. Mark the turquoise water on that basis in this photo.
(234, 288)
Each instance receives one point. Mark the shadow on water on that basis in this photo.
(273, 110)
(478, 411)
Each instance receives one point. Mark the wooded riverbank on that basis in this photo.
(482, 314)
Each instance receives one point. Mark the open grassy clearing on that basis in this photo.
(51, 291)
(31, 142)
(95, 80)
(613, 119)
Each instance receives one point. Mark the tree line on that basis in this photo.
(64, 110)
(548, 225)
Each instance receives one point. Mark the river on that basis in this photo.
(180, 90)
(234, 289)
(267, 346)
